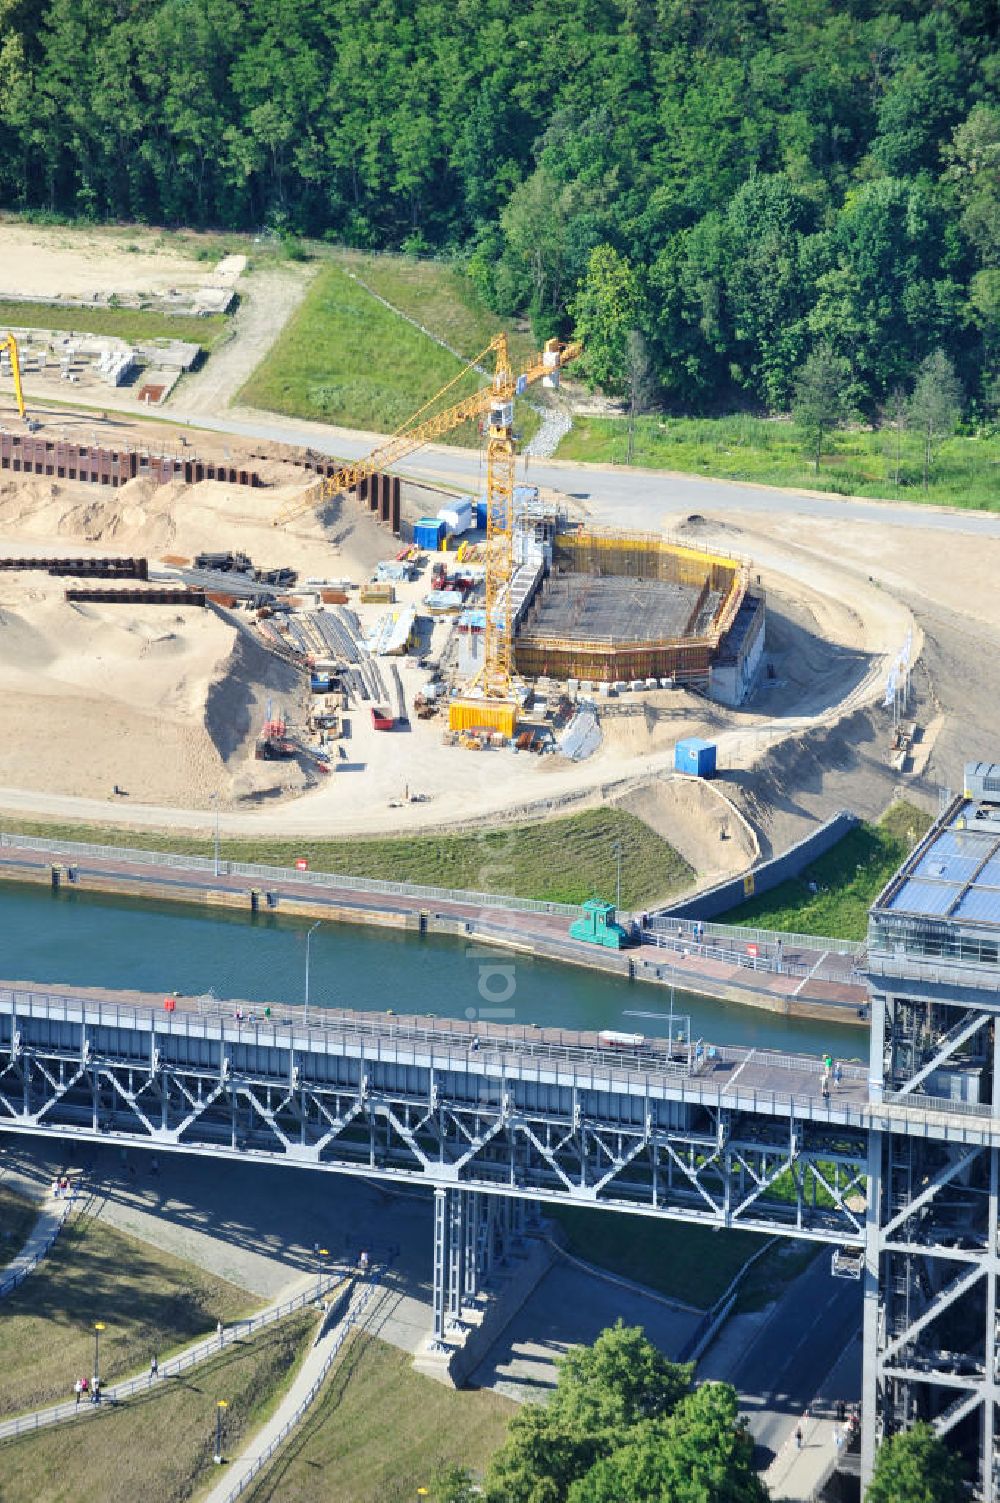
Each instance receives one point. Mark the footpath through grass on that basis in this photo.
(158, 1448)
(124, 323)
(344, 358)
(563, 860)
(149, 1301)
(848, 879)
(966, 471)
(380, 1431)
(18, 1214)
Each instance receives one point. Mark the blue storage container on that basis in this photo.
(695, 757)
(482, 508)
(428, 532)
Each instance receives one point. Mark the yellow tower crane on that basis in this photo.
(494, 708)
(9, 343)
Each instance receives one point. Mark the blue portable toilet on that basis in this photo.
(695, 757)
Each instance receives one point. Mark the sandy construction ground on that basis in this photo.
(842, 595)
(39, 262)
(172, 700)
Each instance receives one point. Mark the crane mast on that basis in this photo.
(495, 404)
(9, 343)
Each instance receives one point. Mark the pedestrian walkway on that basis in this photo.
(302, 1292)
(798, 1472)
(46, 1229)
(238, 1474)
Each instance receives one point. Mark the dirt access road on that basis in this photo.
(268, 298)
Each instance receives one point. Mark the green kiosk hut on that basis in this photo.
(597, 926)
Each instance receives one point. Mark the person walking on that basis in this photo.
(154, 1368)
(220, 1331)
(838, 1074)
(826, 1087)
(798, 1437)
(78, 1390)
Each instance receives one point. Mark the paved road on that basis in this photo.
(615, 495)
(787, 1360)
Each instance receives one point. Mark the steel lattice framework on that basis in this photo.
(500, 1125)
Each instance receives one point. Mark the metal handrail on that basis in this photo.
(206, 864)
(352, 1319)
(190, 1357)
(12, 1281)
(740, 934)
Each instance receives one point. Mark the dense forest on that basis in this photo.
(737, 181)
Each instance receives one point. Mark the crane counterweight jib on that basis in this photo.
(414, 434)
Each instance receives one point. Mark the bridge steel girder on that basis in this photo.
(485, 1130)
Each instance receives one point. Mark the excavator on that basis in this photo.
(493, 405)
(9, 343)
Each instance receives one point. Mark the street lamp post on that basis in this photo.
(221, 1405)
(99, 1326)
(215, 801)
(309, 936)
(321, 1253)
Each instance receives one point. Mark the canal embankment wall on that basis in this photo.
(524, 926)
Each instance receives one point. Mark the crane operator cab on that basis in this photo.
(501, 417)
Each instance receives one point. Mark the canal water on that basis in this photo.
(85, 939)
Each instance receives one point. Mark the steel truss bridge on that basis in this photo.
(498, 1121)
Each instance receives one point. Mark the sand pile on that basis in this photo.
(164, 702)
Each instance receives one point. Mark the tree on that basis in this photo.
(605, 310)
(702, 1453)
(453, 1484)
(936, 404)
(916, 1467)
(896, 413)
(820, 399)
(641, 384)
(603, 1393)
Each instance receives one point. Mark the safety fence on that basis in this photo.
(691, 930)
(819, 966)
(120, 1392)
(80, 851)
(352, 1320)
(15, 1277)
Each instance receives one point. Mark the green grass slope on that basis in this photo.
(149, 1301)
(855, 462)
(344, 358)
(564, 860)
(849, 878)
(380, 1431)
(158, 1448)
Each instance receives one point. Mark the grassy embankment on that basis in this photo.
(123, 323)
(966, 471)
(344, 358)
(563, 860)
(849, 878)
(149, 1301)
(158, 1448)
(18, 1214)
(380, 1431)
(691, 1263)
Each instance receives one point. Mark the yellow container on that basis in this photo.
(482, 715)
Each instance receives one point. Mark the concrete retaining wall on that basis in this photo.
(726, 895)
